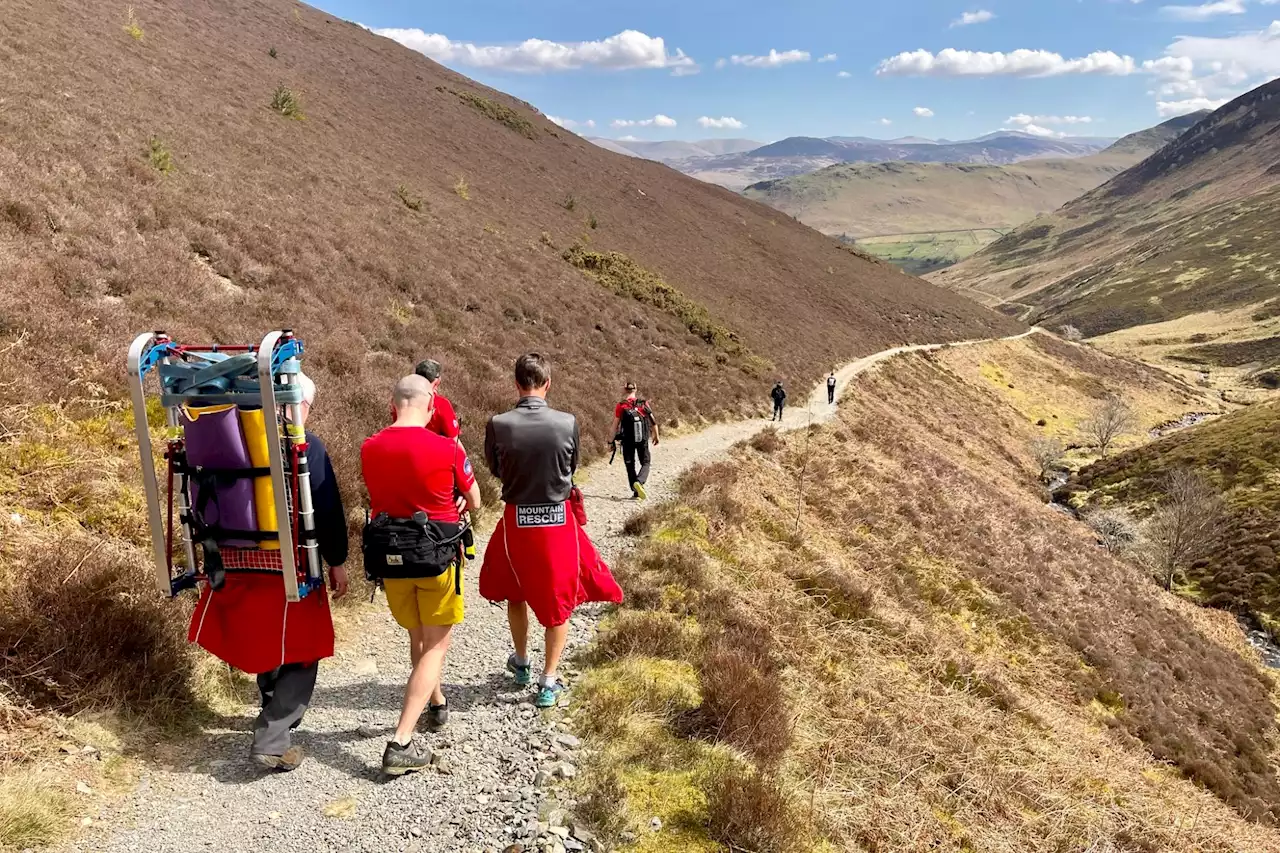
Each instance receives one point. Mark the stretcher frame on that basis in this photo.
(268, 380)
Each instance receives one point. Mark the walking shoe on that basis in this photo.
(549, 694)
(289, 761)
(437, 716)
(398, 760)
(524, 675)
(638, 489)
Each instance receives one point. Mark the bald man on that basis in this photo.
(412, 475)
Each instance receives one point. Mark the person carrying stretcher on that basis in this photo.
(248, 623)
(539, 557)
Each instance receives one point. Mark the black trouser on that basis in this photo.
(777, 409)
(831, 393)
(286, 693)
(630, 454)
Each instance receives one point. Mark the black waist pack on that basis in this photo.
(414, 547)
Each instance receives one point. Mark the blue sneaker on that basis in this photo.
(522, 672)
(549, 694)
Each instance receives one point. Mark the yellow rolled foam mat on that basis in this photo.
(255, 436)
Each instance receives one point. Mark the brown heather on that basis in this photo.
(960, 666)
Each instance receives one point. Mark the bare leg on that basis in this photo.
(417, 648)
(518, 618)
(425, 679)
(557, 637)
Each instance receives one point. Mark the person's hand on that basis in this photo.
(338, 580)
(461, 503)
(655, 441)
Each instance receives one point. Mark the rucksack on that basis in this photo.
(633, 426)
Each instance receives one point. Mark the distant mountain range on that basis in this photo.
(737, 163)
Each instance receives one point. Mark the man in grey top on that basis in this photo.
(539, 557)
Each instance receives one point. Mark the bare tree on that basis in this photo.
(1184, 526)
(1109, 421)
(1047, 453)
(1116, 527)
(1071, 333)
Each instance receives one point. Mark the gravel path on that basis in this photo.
(499, 756)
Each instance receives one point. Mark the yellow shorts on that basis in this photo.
(416, 602)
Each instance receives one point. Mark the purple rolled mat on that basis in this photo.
(215, 439)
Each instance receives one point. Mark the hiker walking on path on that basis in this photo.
(635, 426)
(779, 398)
(539, 557)
(412, 545)
(831, 388)
(249, 624)
(445, 421)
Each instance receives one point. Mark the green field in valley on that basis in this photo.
(930, 250)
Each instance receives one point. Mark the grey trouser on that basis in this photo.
(631, 453)
(286, 692)
(777, 409)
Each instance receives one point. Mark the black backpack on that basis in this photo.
(633, 426)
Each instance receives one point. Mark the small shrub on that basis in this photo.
(32, 813)
(742, 701)
(160, 158)
(592, 222)
(21, 215)
(641, 523)
(1047, 454)
(463, 191)
(1071, 333)
(272, 53)
(131, 25)
(1116, 527)
(569, 203)
(287, 102)
(748, 811)
(408, 199)
(545, 239)
(767, 441)
(635, 632)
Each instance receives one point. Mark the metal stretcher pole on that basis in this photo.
(297, 434)
(275, 456)
(142, 430)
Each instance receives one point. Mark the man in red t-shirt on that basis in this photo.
(408, 468)
(635, 426)
(445, 421)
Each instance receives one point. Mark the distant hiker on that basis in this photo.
(539, 557)
(445, 421)
(634, 426)
(831, 388)
(248, 623)
(413, 546)
(779, 398)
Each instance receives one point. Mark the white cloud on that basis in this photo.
(1018, 63)
(1205, 11)
(979, 17)
(843, 74)
(628, 139)
(1169, 109)
(722, 123)
(1037, 130)
(923, 112)
(1024, 120)
(884, 121)
(629, 49)
(570, 124)
(831, 57)
(772, 60)
(659, 120)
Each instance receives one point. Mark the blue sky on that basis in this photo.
(766, 69)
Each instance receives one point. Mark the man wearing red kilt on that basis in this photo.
(539, 557)
(249, 624)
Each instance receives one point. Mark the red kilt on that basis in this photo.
(546, 560)
(249, 624)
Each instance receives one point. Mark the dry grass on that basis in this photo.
(962, 668)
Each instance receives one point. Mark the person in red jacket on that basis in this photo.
(249, 624)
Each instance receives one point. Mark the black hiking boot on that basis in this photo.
(437, 716)
(398, 760)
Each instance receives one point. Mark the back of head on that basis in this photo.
(533, 371)
(428, 369)
(630, 388)
(412, 392)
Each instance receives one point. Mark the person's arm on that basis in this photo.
(491, 450)
(464, 478)
(573, 460)
(330, 518)
(653, 424)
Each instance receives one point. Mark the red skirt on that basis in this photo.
(249, 624)
(543, 556)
